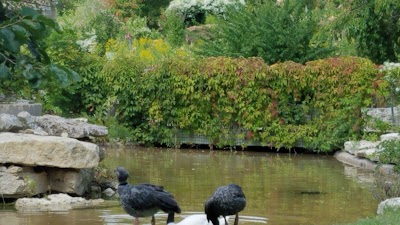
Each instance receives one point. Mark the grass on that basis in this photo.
(389, 218)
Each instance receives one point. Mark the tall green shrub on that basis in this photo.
(89, 94)
(274, 32)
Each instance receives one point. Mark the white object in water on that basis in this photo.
(197, 219)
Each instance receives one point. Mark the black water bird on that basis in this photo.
(226, 200)
(144, 200)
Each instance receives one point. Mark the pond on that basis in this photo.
(281, 189)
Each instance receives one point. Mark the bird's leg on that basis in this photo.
(226, 222)
(136, 221)
(236, 219)
(153, 221)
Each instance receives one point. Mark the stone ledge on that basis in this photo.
(34, 150)
(35, 109)
(352, 160)
(55, 202)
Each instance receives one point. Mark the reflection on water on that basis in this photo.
(126, 219)
(281, 189)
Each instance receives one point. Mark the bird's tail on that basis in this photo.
(171, 218)
(168, 203)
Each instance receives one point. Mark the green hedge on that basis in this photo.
(316, 105)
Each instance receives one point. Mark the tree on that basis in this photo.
(23, 57)
(375, 27)
(272, 31)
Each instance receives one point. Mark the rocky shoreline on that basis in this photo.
(365, 155)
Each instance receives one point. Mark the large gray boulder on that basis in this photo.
(353, 147)
(10, 122)
(390, 136)
(70, 181)
(391, 203)
(18, 182)
(34, 150)
(73, 128)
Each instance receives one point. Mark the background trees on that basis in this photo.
(274, 32)
(23, 56)
(375, 27)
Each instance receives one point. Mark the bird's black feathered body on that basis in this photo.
(144, 200)
(227, 200)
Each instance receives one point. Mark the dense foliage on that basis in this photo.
(274, 32)
(390, 153)
(23, 57)
(226, 99)
(374, 27)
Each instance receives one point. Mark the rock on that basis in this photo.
(102, 153)
(70, 181)
(10, 123)
(55, 202)
(18, 182)
(350, 159)
(354, 146)
(390, 136)
(27, 119)
(109, 192)
(393, 203)
(34, 150)
(371, 154)
(83, 120)
(58, 126)
(34, 109)
(354, 161)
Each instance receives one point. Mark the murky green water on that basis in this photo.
(281, 189)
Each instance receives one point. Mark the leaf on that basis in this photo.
(72, 75)
(39, 32)
(29, 25)
(27, 72)
(49, 22)
(29, 12)
(59, 74)
(4, 71)
(46, 58)
(20, 32)
(35, 83)
(11, 43)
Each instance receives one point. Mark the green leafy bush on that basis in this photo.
(390, 152)
(226, 99)
(274, 32)
(172, 27)
(85, 96)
